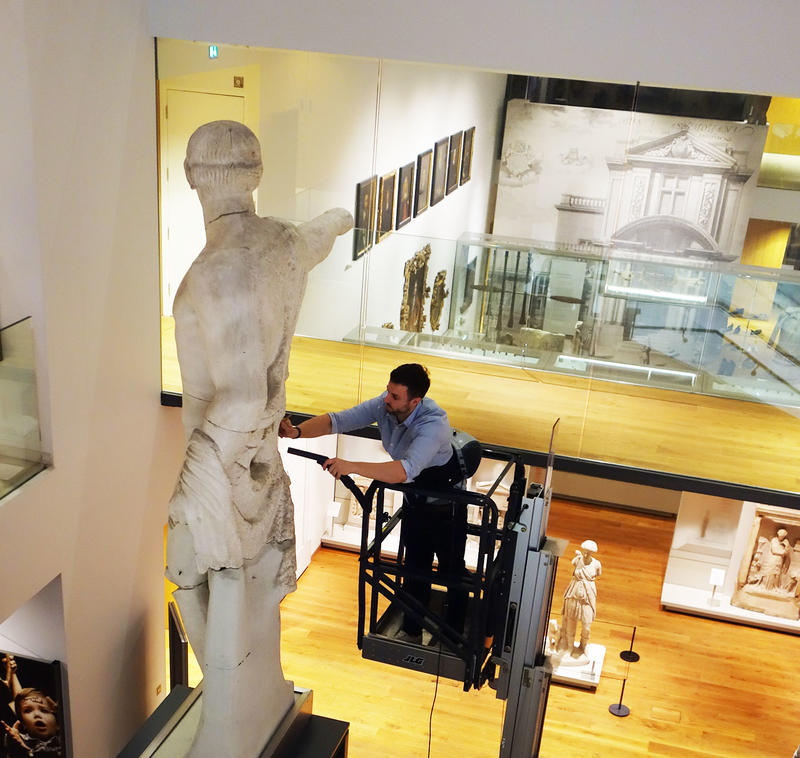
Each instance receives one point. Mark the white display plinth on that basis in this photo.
(176, 737)
(579, 672)
(348, 537)
(677, 597)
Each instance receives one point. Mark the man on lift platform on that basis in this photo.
(415, 432)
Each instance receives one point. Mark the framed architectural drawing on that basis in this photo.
(364, 216)
(405, 187)
(642, 181)
(422, 192)
(439, 182)
(33, 707)
(466, 155)
(454, 161)
(386, 206)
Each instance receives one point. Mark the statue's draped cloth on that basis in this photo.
(231, 518)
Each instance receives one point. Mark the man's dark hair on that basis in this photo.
(412, 376)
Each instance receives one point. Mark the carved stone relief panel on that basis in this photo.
(769, 575)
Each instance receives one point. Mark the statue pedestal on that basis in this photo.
(169, 731)
(579, 672)
(778, 603)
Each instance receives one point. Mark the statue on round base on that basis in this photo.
(580, 604)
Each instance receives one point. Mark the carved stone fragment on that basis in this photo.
(415, 291)
(440, 292)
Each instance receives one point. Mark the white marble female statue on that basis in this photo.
(580, 600)
(230, 546)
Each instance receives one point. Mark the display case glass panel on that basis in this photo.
(709, 328)
(20, 437)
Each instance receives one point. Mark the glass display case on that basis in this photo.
(618, 314)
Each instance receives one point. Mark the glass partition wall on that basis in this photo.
(543, 260)
(20, 438)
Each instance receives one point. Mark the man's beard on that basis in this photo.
(396, 413)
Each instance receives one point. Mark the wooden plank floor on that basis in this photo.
(694, 435)
(701, 688)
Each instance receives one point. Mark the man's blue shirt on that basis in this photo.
(421, 441)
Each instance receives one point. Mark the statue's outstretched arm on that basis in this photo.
(321, 232)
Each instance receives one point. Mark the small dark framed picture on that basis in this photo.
(365, 216)
(439, 171)
(405, 188)
(466, 155)
(386, 205)
(454, 161)
(422, 193)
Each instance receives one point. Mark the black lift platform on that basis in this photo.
(509, 592)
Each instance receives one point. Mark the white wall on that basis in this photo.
(736, 45)
(317, 133)
(78, 252)
(418, 105)
(421, 104)
(20, 287)
(329, 122)
(776, 205)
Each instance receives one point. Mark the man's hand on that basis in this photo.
(287, 429)
(338, 467)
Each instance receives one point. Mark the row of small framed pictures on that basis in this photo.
(438, 172)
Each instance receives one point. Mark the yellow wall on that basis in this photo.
(765, 243)
(783, 116)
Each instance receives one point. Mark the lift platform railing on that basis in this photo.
(384, 575)
(510, 589)
(381, 574)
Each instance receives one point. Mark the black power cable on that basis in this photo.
(435, 692)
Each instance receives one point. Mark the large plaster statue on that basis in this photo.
(230, 544)
(580, 600)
